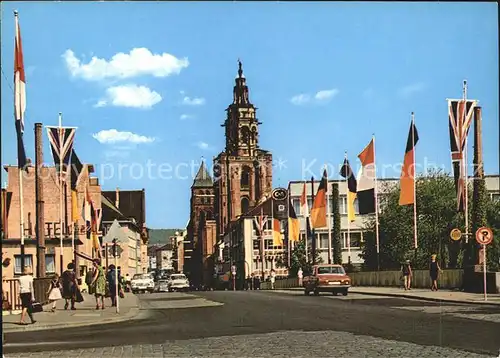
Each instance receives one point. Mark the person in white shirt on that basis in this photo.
(300, 275)
(27, 295)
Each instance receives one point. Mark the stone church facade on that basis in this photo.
(242, 178)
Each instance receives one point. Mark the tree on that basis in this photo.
(437, 216)
(298, 259)
(478, 216)
(337, 248)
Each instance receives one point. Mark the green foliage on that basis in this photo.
(437, 216)
(337, 248)
(298, 259)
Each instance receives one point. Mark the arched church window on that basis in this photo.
(245, 177)
(245, 135)
(245, 203)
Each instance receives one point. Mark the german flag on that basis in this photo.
(407, 194)
(277, 241)
(293, 224)
(352, 186)
(366, 180)
(318, 210)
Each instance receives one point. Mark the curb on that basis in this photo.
(133, 312)
(431, 299)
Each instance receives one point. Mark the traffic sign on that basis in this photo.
(455, 234)
(484, 235)
(233, 270)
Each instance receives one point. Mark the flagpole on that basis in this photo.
(60, 199)
(262, 246)
(464, 163)
(288, 232)
(415, 237)
(305, 222)
(376, 205)
(20, 169)
(329, 207)
(348, 218)
(313, 230)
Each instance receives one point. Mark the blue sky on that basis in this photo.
(325, 76)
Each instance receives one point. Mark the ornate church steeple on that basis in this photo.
(241, 123)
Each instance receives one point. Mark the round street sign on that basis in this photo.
(484, 235)
(233, 270)
(455, 234)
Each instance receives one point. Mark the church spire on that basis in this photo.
(240, 91)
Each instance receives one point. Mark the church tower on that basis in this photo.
(243, 171)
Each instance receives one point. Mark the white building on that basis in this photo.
(164, 256)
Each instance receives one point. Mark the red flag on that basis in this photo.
(19, 95)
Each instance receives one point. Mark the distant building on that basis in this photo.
(164, 256)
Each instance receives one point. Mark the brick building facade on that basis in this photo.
(52, 206)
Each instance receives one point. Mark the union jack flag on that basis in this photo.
(61, 142)
(460, 114)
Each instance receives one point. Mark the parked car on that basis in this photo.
(327, 278)
(162, 285)
(142, 283)
(178, 282)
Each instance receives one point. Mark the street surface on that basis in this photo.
(278, 324)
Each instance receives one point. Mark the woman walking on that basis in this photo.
(54, 292)
(27, 295)
(98, 284)
(434, 270)
(69, 286)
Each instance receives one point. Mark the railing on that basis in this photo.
(448, 279)
(10, 293)
(281, 284)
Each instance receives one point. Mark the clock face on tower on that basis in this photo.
(279, 194)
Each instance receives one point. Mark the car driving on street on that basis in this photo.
(142, 283)
(178, 282)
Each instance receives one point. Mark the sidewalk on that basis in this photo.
(84, 315)
(428, 295)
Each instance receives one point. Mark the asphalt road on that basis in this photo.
(263, 323)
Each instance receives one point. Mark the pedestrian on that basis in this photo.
(113, 289)
(300, 275)
(27, 295)
(54, 291)
(69, 286)
(98, 284)
(407, 273)
(272, 278)
(434, 271)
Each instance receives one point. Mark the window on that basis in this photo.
(256, 244)
(245, 177)
(268, 244)
(50, 263)
(495, 197)
(296, 206)
(323, 239)
(331, 270)
(28, 262)
(355, 240)
(244, 205)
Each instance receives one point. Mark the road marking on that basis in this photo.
(34, 344)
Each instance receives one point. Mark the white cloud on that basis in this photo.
(203, 145)
(130, 96)
(113, 136)
(300, 99)
(319, 97)
(196, 101)
(411, 89)
(326, 95)
(186, 116)
(138, 62)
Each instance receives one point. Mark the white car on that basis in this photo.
(178, 282)
(162, 286)
(142, 283)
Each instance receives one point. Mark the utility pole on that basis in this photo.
(39, 210)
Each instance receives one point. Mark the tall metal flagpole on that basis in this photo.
(464, 163)
(20, 170)
(61, 262)
(329, 225)
(415, 237)
(348, 218)
(306, 218)
(376, 205)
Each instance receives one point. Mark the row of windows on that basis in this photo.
(354, 240)
(342, 204)
(50, 263)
